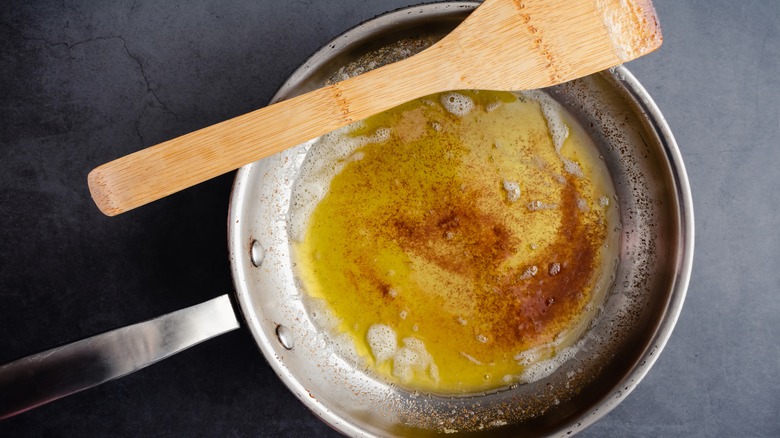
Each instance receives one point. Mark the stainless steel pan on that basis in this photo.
(656, 250)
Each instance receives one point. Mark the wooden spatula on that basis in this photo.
(502, 45)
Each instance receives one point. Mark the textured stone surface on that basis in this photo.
(84, 82)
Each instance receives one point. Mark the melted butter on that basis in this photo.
(461, 247)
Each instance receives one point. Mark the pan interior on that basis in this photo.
(655, 247)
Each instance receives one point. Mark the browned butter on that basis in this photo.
(458, 243)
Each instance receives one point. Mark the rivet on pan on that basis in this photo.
(285, 337)
(257, 253)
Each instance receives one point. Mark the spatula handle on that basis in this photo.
(158, 171)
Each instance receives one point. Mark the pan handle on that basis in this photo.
(44, 377)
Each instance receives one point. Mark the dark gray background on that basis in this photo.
(85, 82)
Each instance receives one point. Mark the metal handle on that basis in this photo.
(44, 377)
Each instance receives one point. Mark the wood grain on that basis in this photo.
(502, 45)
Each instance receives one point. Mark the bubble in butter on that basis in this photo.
(459, 243)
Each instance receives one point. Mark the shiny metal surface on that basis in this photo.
(45, 377)
(641, 309)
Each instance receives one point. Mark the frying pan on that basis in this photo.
(624, 340)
